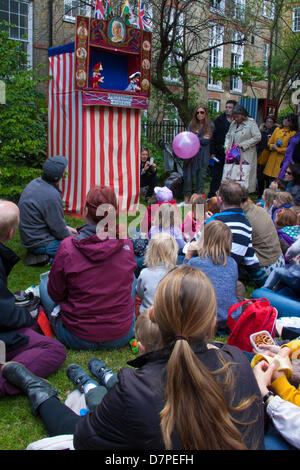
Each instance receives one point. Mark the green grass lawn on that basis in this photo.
(18, 427)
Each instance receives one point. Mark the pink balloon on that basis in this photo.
(186, 144)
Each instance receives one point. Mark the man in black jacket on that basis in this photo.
(222, 123)
(17, 326)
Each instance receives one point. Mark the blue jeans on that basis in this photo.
(274, 440)
(50, 249)
(73, 342)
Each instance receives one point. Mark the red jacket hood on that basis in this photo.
(96, 249)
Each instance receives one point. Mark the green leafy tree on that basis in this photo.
(248, 73)
(23, 118)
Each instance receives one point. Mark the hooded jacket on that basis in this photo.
(12, 317)
(91, 279)
(41, 214)
(129, 415)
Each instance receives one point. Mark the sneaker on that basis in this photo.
(79, 377)
(100, 370)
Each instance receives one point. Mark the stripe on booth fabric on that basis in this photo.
(101, 143)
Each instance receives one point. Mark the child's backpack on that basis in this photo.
(258, 316)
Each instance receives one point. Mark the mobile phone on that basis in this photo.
(261, 337)
(151, 161)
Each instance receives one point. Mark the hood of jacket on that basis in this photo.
(89, 243)
(9, 258)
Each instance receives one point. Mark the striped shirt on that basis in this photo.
(242, 250)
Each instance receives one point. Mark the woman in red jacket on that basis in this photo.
(91, 280)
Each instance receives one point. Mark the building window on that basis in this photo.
(215, 54)
(296, 19)
(19, 16)
(237, 57)
(268, 9)
(175, 35)
(72, 8)
(218, 6)
(239, 10)
(214, 105)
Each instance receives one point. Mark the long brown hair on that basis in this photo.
(185, 310)
(196, 126)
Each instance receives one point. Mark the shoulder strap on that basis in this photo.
(230, 321)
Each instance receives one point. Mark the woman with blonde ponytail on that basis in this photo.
(189, 395)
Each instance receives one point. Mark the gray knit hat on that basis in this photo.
(54, 167)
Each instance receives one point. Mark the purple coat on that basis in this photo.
(92, 279)
(288, 156)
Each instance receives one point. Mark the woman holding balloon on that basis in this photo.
(195, 166)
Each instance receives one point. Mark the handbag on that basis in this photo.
(28, 300)
(259, 315)
(233, 155)
(237, 172)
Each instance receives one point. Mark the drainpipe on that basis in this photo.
(50, 23)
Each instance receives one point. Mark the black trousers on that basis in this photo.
(57, 417)
(216, 177)
(150, 180)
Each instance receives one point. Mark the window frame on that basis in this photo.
(170, 59)
(214, 39)
(296, 19)
(239, 10)
(237, 52)
(212, 102)
(268, 13)
(218, 7)
(29, 39)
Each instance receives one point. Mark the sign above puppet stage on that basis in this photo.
(99, 86)
(112, 63)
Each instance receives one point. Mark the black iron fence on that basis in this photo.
(165, 131)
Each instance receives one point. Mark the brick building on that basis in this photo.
(41, 24)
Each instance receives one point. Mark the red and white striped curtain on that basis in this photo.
(101, 144)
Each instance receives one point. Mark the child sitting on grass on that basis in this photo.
(288, 229)
(267, 199)
(161, 257)
(149, 339)
(214, 259)
(195, 217)
(282, 200)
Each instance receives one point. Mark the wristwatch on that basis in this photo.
(267, 398)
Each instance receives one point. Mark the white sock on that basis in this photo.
(107, 376)
(88, 386)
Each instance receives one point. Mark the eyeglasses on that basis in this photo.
(288, 172)
(201, 112)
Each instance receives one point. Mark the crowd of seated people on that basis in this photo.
(195, 259)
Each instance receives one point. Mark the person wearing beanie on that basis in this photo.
(42, 223)
(162, 195)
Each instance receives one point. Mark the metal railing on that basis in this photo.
(164, 130)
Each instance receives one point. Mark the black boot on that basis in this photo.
(37, 389)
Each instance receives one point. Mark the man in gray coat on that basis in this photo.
(42, 223)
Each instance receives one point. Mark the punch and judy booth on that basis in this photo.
(99, 86)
